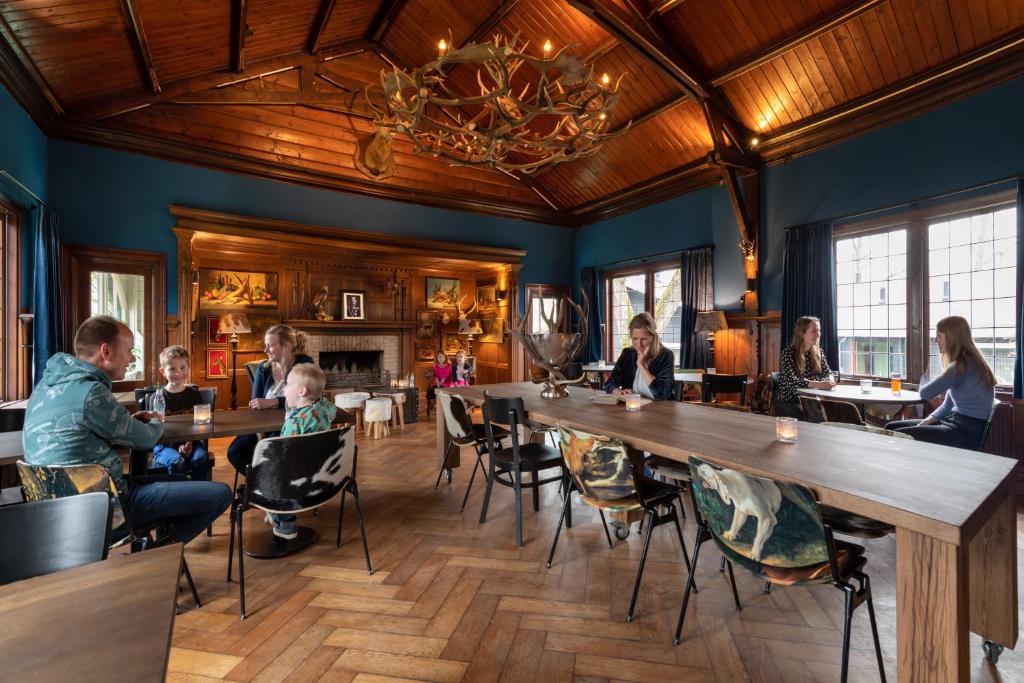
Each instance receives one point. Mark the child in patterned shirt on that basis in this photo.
(308, 412)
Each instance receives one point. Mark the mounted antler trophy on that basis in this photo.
(554, 351)
(467, 326)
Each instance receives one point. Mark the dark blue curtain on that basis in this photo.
(698, 294)
(590, 279)
(809, 284)
(1018, 369)
(46, 327)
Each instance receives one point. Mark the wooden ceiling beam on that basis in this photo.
(323, 18)
(824, 26)
(28, 65)
(665, 5)
(239, 32)
(139, 42)
(490, 23)
(382, 21)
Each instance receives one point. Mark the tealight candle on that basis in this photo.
(785, 429)
(633, 402)
(202, 414)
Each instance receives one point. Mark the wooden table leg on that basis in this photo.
(993, 572)
(931, 609)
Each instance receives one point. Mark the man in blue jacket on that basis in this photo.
(73, 419)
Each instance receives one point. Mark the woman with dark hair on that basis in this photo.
(285, 348)
(646, 368)
(969, 386)
(802, 365)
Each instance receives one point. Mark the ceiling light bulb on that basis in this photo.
(602, 116)
(442, 45)
(547, 47)
(754, 142)
(605, 79)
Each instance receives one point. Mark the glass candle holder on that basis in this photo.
(786, 429)
(633, 403)
(202, 414)
(865, 386)
(896, 383)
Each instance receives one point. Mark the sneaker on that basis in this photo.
(286, 528)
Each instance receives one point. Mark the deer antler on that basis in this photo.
(466, 314)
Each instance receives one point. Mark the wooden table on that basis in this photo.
(954, 510)
(124, 398)
(105, 621)
(179, 428)
(851, 393)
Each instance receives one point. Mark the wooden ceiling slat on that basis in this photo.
(819, 87)
(961, 15)
(880, 41)
(822, 62)
(915, 49)
(835, 58)
(943, 26)
(979, 21)
(894, 40)
(924, 28)
(862, 52)
(784, 79)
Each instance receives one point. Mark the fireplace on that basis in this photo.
(354, 368)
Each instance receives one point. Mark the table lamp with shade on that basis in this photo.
(710, 322)
(234, 324)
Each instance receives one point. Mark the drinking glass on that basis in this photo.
(896, 383)
(865, 386)
(834, 376)
(157, 404)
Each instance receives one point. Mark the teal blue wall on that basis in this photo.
(23, 155)
(976, 140)
(114, 198)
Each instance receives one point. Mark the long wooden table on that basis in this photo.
(105, 621)
(179, 428)
(954, 510)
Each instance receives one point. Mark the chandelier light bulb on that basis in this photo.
(605, 79)
(442, 47)
(547, 47)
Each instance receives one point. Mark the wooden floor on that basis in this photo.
(454, 600)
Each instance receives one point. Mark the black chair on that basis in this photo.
(793, 548)
(464, 433)
(52, 535)
(292, 474)
(47, 482)
(601, 470)
(841, 411)
(12, 419)
(508, 464)
(714, 384)
(812, 409)
(250, 370)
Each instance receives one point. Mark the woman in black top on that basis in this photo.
(801, 366)
(647, 367)
(284, 347)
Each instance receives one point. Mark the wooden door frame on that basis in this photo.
(10, 223)
(79, 260)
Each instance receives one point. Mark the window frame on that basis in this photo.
(10, 262)
(915, 221)
(78, 261)
(647, 269)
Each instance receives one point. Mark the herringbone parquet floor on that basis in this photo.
(453, 600)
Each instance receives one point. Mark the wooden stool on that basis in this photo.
(398, 410)
(353, 402)
(377, 413)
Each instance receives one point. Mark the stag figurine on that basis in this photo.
(554, 351)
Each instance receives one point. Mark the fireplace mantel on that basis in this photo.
(349, 325)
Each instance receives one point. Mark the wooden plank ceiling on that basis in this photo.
(703, 80)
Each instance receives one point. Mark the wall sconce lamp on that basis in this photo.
(500, 294)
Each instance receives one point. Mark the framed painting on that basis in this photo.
(253, 341)
(453, 343)
(442, 292)
(217, 364)
(425, 350)
(213, 337)
(486, 301)
(352, 306)
(493, 331)
(237, 289)
(428, 324)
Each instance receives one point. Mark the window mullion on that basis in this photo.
(917, 310)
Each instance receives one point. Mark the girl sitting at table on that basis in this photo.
(962, 419)
(443, 375)
(646, 368)
(802, 365)
(462, 372)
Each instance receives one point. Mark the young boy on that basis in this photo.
(179, 397)
(308, 412)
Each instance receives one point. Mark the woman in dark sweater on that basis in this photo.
(801, 366)
(647, 367)
(285, 348)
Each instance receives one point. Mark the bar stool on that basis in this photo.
(398, 398)
(353, 402)
(376, 414)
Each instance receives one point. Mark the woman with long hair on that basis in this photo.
(644, 368)
(802, 365)
(969, 384)
(285, 348)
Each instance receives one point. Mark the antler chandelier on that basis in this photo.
(528, 111)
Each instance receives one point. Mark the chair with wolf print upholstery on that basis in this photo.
(292, 474)
(601, 470)
(774, 530)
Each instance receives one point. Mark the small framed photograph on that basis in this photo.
(217, 364)
(213, 323)
(352, 306)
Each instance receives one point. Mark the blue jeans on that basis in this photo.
(959, 431)
(197, 464)
(187, 507)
